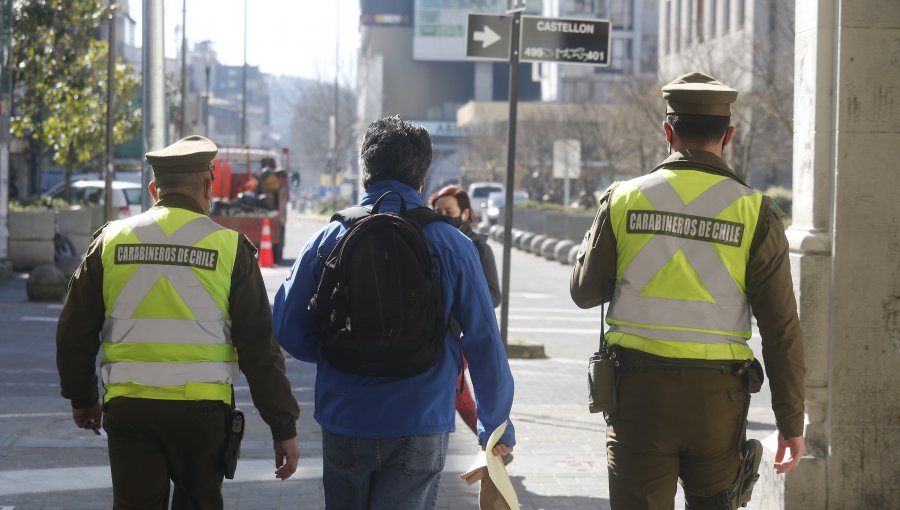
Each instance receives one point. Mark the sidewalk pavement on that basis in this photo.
(46, 463)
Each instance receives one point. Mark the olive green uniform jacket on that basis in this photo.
(259, 356)
(770, 290)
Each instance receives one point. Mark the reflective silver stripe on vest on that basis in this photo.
(730, 312)
(182, 278)
(177, 331)
(169, 374)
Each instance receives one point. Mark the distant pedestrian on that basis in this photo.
(178, 305)
(453, 203)
(384, 438)
(683, 255)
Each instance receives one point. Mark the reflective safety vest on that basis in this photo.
(166, 284)
(683, 243)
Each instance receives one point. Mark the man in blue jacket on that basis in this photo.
(384, 439)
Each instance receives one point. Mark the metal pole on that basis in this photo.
(206, 101)
(182, 127)
(5, 105)
(510, 170)
(110, 114)
(154, 120)
(334, 139)
(244, 86)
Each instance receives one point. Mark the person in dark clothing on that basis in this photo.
(453, 203)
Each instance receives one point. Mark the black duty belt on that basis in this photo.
(629, 358)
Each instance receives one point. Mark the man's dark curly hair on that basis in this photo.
(394, 149)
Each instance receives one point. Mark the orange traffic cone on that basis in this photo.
(266, 259)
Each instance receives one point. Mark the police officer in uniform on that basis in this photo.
(683, 255)
(178, 304)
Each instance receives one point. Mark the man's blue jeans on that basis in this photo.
(365, 473)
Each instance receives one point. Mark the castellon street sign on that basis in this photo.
(565, 40)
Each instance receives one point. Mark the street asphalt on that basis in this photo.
(47, 463)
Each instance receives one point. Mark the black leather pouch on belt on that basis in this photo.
(234, 435)
(601, 384)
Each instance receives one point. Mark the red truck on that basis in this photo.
(252, 185)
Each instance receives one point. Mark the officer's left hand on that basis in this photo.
(89, 418)
(797, 448)
(287, 455)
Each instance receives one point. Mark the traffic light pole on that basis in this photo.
(510, 171)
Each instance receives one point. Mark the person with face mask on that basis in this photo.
(453, 203)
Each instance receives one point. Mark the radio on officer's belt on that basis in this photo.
(602, 377)
(235, 433)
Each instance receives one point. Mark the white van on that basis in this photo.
(478, 195)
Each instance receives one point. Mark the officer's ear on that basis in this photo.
(669, 131)
(153, 191)
(728, 136)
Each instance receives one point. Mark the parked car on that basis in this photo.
(478, 195)
(126, 195)
(494, 211)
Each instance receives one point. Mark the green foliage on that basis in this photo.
(60, 78)
(783, 197)
(32, 203)
(325, 208)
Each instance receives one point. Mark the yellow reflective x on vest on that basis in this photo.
(683, 242)
(166, 285)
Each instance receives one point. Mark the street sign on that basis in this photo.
(488, 36)
(565, 40)
(567, 159)
(516, 5)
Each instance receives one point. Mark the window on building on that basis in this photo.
(740, 7)
(676, 33)
(667, 28)
(726, 16)
(699, 20)
(689, 36)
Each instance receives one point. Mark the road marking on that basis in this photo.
(28, 371)
(577, 311)
(57, 306)
(30, 481)
(555, 330)
(33, 415)
(551, 318)
(39, 319)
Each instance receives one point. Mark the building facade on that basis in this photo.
(749, 45)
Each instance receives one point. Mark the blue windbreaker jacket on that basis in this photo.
(424, 404)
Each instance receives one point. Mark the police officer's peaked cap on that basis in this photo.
(188, 155)
(698, 94)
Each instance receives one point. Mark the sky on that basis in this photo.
(284, 37)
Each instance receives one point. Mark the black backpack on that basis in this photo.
(379, 307)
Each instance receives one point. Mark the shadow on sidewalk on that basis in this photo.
(528, 499)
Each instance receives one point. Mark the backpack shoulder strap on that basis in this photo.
(351, 215)
(423, 216)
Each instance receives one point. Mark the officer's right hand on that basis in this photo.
(287, 454)
(797, 447)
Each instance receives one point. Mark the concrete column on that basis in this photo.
(844, 243)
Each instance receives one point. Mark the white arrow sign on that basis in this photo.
(487, 37)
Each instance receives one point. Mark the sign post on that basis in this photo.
(510, 172)
(570, 41)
